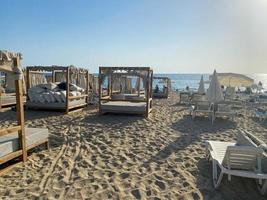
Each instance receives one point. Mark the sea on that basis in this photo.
(180, 81)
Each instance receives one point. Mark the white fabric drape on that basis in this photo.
(214, 92)
(201, 88)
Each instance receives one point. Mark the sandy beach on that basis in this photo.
(126, 157)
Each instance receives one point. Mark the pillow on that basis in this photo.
(36, 89)
(57, 96)
(52, 98)
(40, 98)
(63, 96)
(49, 86)
(46, 97)
(74, 87)
(224, 107)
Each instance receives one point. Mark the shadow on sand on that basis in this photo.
(190, 133)
(111, 120)
(237, 188)
(262, 123)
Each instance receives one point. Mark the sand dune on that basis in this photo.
(126, 157)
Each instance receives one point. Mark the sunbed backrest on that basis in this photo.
(203, 106)
(224, 108)
(199, 97)
(184, 97)
(243, 158)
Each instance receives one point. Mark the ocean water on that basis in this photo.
(180, 81)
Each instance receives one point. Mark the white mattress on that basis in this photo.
(55, 105)
(10, 143)
(123, 106)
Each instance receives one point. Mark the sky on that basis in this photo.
(171, 36)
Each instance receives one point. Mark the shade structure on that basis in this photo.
(214, 92)
(234, 80)
(201, 88)
(7, 63)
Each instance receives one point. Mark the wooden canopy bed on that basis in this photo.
(119, 96)
(16, 140)
(69, 75)
(164, 92)
(8, 96)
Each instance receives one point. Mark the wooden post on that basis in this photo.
(78, 77)
(20, 118)
(87, 86)
(139, 83)
(147, 92)
(111, 83)
(20, 112)
(67, 89)
(99, 90)
(27, 82)
(0, 97)
(53, 76)
(151, 83)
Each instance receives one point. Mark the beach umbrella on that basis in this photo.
(201, 88)
(234, 80)
(214, 92)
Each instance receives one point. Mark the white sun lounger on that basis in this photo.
(236, 160)
(224, 110)
(184, 98)
(204, 108)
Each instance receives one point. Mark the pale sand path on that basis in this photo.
(126, 157)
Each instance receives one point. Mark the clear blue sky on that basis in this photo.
(173, 36)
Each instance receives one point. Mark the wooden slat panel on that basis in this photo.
(20, 118)
(78, 97)
(128, 100)
(7, 131)
(10, 156)
(5, 170)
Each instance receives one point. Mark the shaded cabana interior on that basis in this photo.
(125, 90)
(67, 100)
(161, 87)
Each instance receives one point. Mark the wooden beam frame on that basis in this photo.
(20, 128)
(69, 70)
(126, 71)
(168, 88)
(20, 121)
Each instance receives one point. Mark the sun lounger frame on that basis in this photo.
(227, 155)
(182, 100)
(209, 111)
(219, 113)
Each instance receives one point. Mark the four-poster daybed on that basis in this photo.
(7, 87)
(16, 140)
(68, 100)
(165, 82)
(119, 96)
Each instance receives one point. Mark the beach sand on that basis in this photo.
(126, 157)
